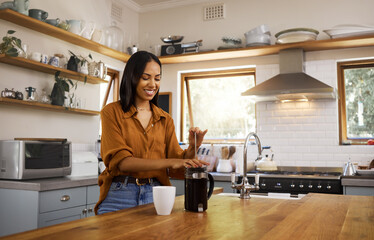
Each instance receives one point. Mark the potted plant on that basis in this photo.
(78, 63)
(11, 45)
(59, 88)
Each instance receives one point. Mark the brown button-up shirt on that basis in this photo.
(123, 136)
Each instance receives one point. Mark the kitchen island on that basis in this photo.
(315, 216)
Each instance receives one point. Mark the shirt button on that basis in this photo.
(152, 125)
(144, 133)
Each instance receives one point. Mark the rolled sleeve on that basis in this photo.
(113, 146)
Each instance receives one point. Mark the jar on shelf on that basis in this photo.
(113, 37)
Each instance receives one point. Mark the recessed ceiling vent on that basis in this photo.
(116, 12)
(214, 12)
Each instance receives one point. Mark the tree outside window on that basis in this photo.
(213, 101)
(356, 89)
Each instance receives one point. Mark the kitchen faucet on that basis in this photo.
(244, 186)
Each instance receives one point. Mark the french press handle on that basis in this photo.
(211, 185)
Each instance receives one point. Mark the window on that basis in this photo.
(109, 92)
(356, 103)
(213, 101)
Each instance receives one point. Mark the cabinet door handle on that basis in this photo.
(65, 198)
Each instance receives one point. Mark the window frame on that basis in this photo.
(341, 66)
(113, 82)
(185, 77)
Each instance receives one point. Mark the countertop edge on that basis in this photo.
(49, 183)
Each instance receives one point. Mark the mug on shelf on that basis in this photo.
(54, 61)
(44, 59)
(36, 56)
(38, 14)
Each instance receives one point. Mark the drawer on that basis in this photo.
(61, 199)
(60, 216)
(93, 193)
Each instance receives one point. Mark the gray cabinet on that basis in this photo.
(23, 210)
(357, 190)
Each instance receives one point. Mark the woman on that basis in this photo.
(138, 143)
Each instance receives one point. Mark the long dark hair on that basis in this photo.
(133, 71)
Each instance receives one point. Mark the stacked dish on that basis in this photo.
(296, 35)
(258, 36)
(349, 30)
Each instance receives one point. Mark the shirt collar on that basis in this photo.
(157, 112)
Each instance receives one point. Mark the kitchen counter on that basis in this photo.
(46, 184)
(316, 216)
(362, 181)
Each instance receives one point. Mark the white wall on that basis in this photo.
(244, 15)
(303, 134)
(80, 129)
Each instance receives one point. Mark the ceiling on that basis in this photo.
(153, 5)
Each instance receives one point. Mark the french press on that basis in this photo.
(196, 194)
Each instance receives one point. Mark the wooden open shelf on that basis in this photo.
(318, 45)
(328, 44)
(46, 68)
(48, 107)
(39, 26)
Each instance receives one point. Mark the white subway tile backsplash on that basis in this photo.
(295, 127)
(282, 127)
(303, 163)
(302, 105)
(317, 163)
(287, 120)
(272, 120)
(306, 133)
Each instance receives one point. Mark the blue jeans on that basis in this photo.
(123, 195)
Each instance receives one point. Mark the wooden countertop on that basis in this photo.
(316, 216)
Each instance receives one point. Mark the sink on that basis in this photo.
(285, 196)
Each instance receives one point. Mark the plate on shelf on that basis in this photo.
(365, 172)
(349, 30)
(296, 35)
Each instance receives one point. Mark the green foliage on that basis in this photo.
(11, 45)
(359, 87)
(60, 87)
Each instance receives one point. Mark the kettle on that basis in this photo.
(349, 169)
(266, 163)
(196, 192)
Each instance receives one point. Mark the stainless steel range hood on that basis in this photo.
(292, 83)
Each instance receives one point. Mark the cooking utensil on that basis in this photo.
(172, 39)
(349, 169)
(232, 150)
(224, 152)
(267, 163)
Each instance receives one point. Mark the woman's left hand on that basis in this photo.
(199, 136)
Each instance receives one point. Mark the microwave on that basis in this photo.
(30, 159)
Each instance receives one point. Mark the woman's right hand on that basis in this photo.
(188, 163)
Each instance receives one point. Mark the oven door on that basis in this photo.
(45, 159)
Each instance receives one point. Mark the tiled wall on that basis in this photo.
(304, 133)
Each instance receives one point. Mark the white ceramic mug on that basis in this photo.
(163, 199)
(224, 165)
(36, 56)
(44, 58)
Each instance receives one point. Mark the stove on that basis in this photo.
(299, 180)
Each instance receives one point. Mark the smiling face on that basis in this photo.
(149, 84)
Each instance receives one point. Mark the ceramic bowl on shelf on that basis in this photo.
(296, 35)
